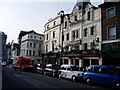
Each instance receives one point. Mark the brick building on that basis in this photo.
(110, 32)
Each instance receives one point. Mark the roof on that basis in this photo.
(22, 33)
(82, 5)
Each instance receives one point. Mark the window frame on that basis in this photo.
(108, 32)
(110, 9)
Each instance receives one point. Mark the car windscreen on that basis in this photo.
(75, 68)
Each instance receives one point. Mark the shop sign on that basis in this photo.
(111, 47)
(90, 52)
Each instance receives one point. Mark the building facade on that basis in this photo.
(79, 35)
(3, 38)
(83, 35)
(32, 45)
(110, 32)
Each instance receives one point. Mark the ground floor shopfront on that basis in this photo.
(77, 57)
(81, 58)
(111, 53)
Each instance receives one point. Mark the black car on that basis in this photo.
(40, 68)
(51, 70)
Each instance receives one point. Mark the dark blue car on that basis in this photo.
(104, 74)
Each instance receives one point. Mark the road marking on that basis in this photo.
(16, 75)
(31, 82)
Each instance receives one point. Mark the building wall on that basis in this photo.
(49, 39)
(3, 52)
(32, 46)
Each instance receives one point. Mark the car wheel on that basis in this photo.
(74, 78)
(88, 81)
(117, 85)
(45, 73)
(53, 74)
(60, 76)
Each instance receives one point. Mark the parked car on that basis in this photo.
(70, 72)
(40, 68)
(51, 69)
(3, 64)
(103, 74)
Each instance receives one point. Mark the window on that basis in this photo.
(88, 15)
(105, 70)
(47, 26)
(69, 69)
(68, 36)
(85, 46)
(27, 53)
(92, 30)
(47, 37)
(85, 32)
(33, 53)
(28, 36)
(30, 52)
(73, 34)
(31, 36)
(62, 37)
(75, 17)
(30, 44)
(53, 46)
(40, 38)
(35, 37)
(34, 45)
(77, 34)
(97, 69)
(110, 12)
(90, 69)
(54, 23)
(39, 45)
(46, 48)
(27, 45)
(112, 32)
(65, 24)
(53, 34)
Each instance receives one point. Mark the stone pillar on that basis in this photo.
(100, 61)
(81, 64)
(69, 61)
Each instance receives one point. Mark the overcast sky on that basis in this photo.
(30, 15)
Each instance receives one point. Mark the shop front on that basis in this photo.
(111, 53)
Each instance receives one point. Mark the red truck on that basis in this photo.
(22, 63)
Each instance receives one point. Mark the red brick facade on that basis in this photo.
(106, 22)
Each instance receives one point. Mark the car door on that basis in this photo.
(96, 75)
(68, 73)
(106, 76)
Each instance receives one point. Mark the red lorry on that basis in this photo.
(22, 63)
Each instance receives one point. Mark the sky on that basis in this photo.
(26, 15)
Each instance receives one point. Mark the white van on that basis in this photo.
(70, 72)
